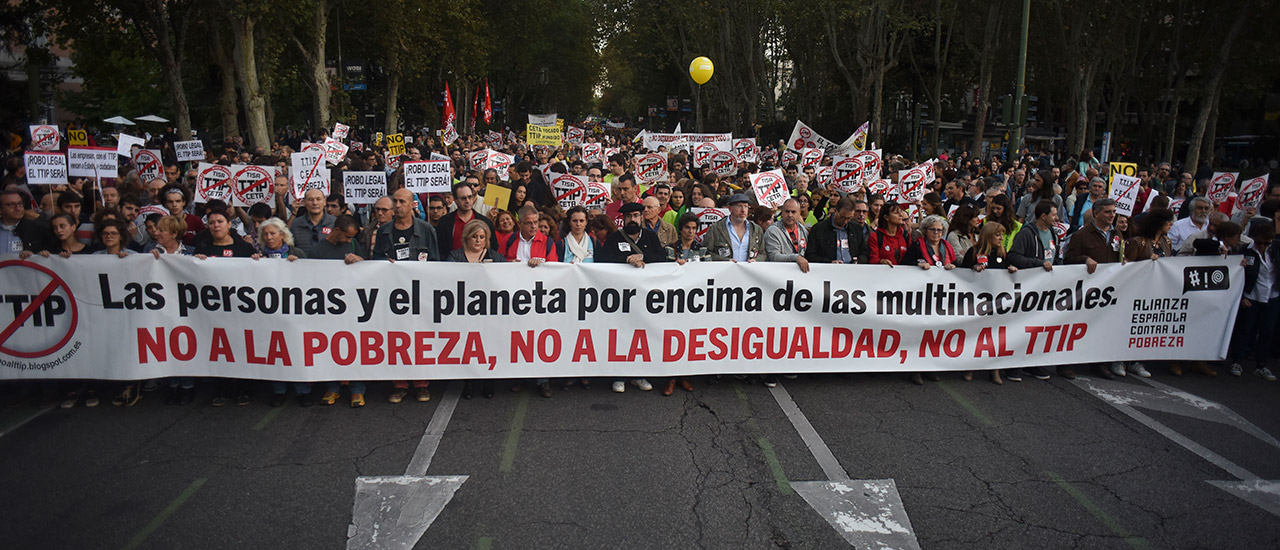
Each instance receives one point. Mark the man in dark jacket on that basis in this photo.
(17, 233)
(449, 228)
(1037, 243)
(1098, 243)
(633, 244)
(406, 237)
(836, 240)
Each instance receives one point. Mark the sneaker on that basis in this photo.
(619, 387)
(242, 399)
(357, 400)
(770, 381)
(329, 398)
(91, 399)
(1237, 369)
(277, 400)
(1039, 373)
(1067, 373)
(127, 398)
(1140, 370)
(1265, 374)
(642, 384)
(151, 385)
(1117, 368)
(70, 400)
(220, 401)
(397, 395)
(1203, 368)
(423, 395)
(1013, 375)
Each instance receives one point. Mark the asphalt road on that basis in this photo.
(1036, 464)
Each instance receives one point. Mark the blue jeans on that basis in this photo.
(1255, 330)
(300, 388)
(336, 387)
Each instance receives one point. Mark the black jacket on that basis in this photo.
(35, 235)
(612, 249)
(822, 242)
(444, 232)
(1027, 250)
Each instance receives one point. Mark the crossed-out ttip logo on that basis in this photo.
(38, 315)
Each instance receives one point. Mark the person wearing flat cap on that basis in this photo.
(634, 244)
(736, 238)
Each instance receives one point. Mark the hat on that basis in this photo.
(737, 198)
(631, 207)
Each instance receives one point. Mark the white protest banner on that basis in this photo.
(597, 195)
(569, 190)
(189, 150)
(707, 217)
(334, 151)
(848, 174)
(575, 136)
(722, 142)
(125, 143)
(824, 176)
(702, 153)
(811, 157)
(254, 184)
(651, 167)
(859, 138)
(136, 317)
(770, 188)
(44, 137)
(593, 153)
(148, 164)
(364, 187)
(790, 157)
(213, 182)
(1124, 190)
(340, 130)
(307, 171)
(724, 163)
(427, 176)
(45, 168)
(911, 184)
(871, 165)
(746, 149)
(1221, 185)
(93, 162)
(543, 120)
(1251, 192)
(803, 137)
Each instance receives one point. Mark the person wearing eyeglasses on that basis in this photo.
(379, 214)
(449, 228)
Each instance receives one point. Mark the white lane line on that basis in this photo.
(33, 416)
(435, 431)
(821, 453)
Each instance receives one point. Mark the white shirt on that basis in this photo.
(524, 250)
(1263, 291)
(1182, 229)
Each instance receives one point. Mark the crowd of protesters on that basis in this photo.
(983, 214)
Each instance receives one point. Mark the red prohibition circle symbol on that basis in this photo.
(35, 304)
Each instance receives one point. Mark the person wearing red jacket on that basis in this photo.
(528, 244)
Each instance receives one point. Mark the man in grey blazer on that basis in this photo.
(735, 238)
(786, 241)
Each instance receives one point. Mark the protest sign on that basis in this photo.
(189, 150)
(859, 138)
(92, 162)
(746, 149)
(475, 159)
(1221, 185)
(427, 176)
(364, 187)
(770, 188)
(769, 156)
(45, 168)
(1122, 169)
(307, 171)
(542, 135)
(377, 139)
(493, 139)
(593, 153)
(597, 195)
(884, 188)
(340, 130)
(803, 137)
(543, 120)
(213, 182)
(1251, 192)
(707, 217)
(724, 163)
(575, 136)
(497, 196)
(395, 144)
(911, 184)
(449, 135)
(148, 164)
(1124, 189)
(871, 165)
(308, 147)
(824, 176)
(790, 157)
(501, 162)
(254, 184)
(569, 190)
(77, 138)
(512, 136)
(334, 151)
(44, 137)
(651, 167)
(125, 143)
(848, 174)
(811, 157)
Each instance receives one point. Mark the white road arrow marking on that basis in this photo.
(868, 513)
(394, 511)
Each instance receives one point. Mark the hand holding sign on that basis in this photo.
(770, 188)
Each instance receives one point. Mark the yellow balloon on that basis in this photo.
(700, 69)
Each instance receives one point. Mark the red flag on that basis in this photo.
(449, 115)
(488, 106)
(474, 103)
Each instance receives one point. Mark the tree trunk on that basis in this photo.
(1211, 90)
(227, 92)
(393, 98)
(1176, 76)
(246, 63)
(1211, 132)
(317, 77)
(986, 67)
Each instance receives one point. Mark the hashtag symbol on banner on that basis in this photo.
(1195, 278)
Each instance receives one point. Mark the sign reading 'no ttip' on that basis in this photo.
(35, 325)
